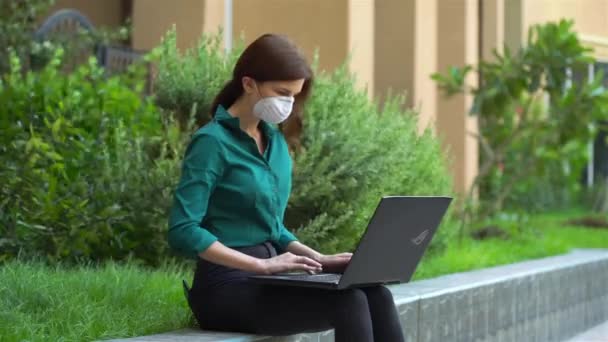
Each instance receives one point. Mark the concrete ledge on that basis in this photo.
(549, 299)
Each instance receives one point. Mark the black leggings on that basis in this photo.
(223, 299)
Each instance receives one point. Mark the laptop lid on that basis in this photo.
(395, 239)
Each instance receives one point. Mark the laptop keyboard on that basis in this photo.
(319, 278)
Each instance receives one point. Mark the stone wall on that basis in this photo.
(549, 299)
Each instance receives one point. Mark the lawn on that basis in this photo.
(40, 303)
(544, 235)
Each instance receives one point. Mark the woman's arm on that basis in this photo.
(299, 248)
(203, 165)
(220, 254)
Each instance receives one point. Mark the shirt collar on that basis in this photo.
(224, 117)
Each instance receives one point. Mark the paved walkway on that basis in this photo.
(597, 334)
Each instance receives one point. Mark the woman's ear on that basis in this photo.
(249, 86)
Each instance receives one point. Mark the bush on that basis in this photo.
(86, 168)
(186, 85)
(18, 21)
(353, 152)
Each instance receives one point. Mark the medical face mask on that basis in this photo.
(274, 109)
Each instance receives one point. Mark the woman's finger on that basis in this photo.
(344, 255)
(301, 267)
(308, 261)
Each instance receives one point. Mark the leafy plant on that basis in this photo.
(522, 138)
(187, 83)
(87, 172)
(18, 20)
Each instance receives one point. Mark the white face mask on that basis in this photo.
(274, 109)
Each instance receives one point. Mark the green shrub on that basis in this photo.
(85, 168)
(187, 84)
(18, 21)
(353, 153)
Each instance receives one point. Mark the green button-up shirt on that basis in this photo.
(230, 192)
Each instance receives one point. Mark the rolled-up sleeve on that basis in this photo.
(285, 237)
(202, 167)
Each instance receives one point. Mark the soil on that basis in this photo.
(489, 232)
(589, 222)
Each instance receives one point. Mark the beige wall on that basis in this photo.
(599, 46)
(458, 45)
(361, 41)
(213, 16)
(590, 18)
(513, 23)
(394, 46)
(312, 24)
(424, 91)
(107, 13)
(336, 29)
(406, 54)
(153, 18)
(493, 29)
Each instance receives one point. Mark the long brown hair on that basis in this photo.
(271, 57)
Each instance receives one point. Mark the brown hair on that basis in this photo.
(271, 57)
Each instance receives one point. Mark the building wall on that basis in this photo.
(590, 16)
(337, 29)
(333, 28)
(361, 20)
(395, 31)
(313, 24)
(108, 13)
(153, 18)
(424, 90)
(458, 45)
(493, 28)
(590, 20)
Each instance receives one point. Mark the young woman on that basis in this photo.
(229, 205)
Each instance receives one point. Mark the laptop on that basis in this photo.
(389, 251)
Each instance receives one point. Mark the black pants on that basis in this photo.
(223, 299)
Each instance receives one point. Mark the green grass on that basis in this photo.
(544, 235)
(41, 303)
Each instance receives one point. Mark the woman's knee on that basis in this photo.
(352, 301)
(379, 295)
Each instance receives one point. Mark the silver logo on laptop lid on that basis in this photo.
(418, 239)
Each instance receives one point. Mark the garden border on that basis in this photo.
(548, 299)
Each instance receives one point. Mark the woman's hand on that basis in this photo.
(335, 263)
(288, 262)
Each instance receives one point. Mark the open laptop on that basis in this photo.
(390, 249)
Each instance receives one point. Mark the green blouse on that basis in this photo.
(228, 191)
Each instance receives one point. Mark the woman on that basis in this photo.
(229, 206)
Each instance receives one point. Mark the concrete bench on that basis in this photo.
(549, 299)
